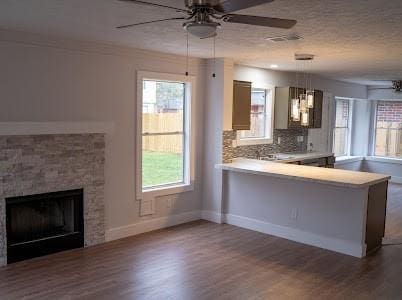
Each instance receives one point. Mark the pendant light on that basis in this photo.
(301, 104)
(304, 110)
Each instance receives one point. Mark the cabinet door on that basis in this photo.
(241, 105)
(293, 93)
(316, 112)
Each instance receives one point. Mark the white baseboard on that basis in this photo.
(297, 235)
(396, 179)
(211, 216)
(150, 225)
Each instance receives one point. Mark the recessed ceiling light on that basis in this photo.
(273, 66)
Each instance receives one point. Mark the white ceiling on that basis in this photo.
(353, 40)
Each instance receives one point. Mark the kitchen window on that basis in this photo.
(341, 133)
(261, 117)
(164, 157)
(388, 129)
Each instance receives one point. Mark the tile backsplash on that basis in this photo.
(288, 143)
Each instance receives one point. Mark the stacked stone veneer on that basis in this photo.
(48, 163)
(288, 144)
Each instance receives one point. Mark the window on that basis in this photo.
(388, 129)
(164, 130)
(341, 134)
(261, 130)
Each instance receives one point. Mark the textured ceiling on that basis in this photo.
(354, 40)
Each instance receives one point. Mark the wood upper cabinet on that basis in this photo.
(241, 105)
(283, 105)
(315, 114)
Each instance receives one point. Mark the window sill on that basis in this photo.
(168, 190)
(388, 160)
(256, 141)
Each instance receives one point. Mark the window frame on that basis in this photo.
(348, 138)
(188, 133)
(373, 132)
(270, 119)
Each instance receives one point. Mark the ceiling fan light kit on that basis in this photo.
(202, 30)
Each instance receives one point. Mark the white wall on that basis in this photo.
(361, 119)
(355, 165)
(384, 166)
(374, 94)
(280, 79)
(218, 117)
(45, 79)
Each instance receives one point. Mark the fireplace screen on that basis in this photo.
(42, 224)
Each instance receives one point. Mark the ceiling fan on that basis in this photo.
(202, 17)
(396, 86)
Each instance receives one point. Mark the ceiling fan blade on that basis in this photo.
(229, 6)
(156, 5)
(260, 21)
(149, 22)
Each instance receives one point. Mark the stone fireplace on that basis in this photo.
(35, 165)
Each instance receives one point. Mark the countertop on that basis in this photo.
(336, 177)
(293, 157)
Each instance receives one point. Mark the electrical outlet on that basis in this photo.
(294, 214)
(279, 140)
(300, 139)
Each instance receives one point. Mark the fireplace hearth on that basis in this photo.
(42, 224)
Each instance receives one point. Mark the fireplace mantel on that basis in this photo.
(44, 128)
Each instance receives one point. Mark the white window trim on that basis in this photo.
(263, 140)
(350, 126)
(373, 136)
(372, 129)
(189, 156)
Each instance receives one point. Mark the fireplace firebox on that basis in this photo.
(42, 224)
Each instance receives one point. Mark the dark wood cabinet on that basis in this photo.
(315, 114)
(241, 105)
(323, 162)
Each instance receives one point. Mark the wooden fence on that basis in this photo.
(389, 139)
(163, 123)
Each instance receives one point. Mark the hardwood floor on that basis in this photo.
(202, 260)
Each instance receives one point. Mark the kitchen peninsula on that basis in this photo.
(339, 210)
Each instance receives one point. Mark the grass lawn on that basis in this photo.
(161, 168)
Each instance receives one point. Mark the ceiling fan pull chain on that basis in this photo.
(187, 55)
(214, 73)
